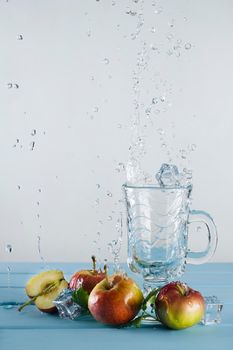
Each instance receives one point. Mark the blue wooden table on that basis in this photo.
(32, 329)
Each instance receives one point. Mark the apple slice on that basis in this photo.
(45, 302)
(39, 282)
(44, 288)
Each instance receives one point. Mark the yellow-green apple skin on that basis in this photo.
(38, 283)
(116, 300)
(179, 306)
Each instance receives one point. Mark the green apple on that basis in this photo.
(178, 306)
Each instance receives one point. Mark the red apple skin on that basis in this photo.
(115, 302)
(178, 306)
(87, 279)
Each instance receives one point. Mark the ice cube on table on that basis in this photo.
(213, 308)
(168, 175)
(67, 308)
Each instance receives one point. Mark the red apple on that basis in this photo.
(115, 300)
(179, 306)
(87, 279)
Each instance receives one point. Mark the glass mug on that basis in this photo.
(158, 219)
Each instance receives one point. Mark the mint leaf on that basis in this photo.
(80, 296)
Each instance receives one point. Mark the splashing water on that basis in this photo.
(115, 245)
(39, 249)
(9, 304)
(169, 176)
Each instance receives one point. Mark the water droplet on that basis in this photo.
(109, 194)
(16, 86)
(187, 46)
(89, 33)
(160, 131)
(8, 248)
(153, 47)
(98, 234)
(96, 109)
(33, 132)
(39, 190)
(38, 203)
(153, 30)
(176, 47)
(109, 218)
(106, 60)
(19, 187)
(19, 37)
(171, 23)
(158, 10)
(170, 37)
(183, 154)
(131, 13)
(162, 98)
(32, 145)
(39, 248)
(163, 145)
(113, 2)
(10, 85)
(98, 186)
(193, 147)
(155, 100)
(38, 216)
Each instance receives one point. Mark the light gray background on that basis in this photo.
(63, 75)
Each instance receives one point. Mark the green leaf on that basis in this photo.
(136, 322)
(80, 296)
(150, 298)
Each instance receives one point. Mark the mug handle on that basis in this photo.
(197, 258)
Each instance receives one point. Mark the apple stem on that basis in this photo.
(182, 288)
(106, 275)
(93, 262)
(26, 304)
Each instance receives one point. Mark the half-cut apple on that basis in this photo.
(44, 288)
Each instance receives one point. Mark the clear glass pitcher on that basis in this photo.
(158, 220)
